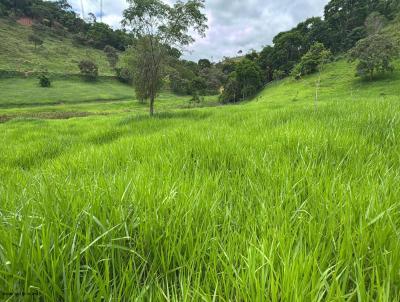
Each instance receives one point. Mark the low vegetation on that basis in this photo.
(89, 70)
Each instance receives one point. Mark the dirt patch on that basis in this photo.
(25, 21)
(5, 118)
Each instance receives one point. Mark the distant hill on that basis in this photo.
(57, 55)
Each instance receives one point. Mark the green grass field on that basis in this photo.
(67, 98)
(57, 55)
(269, 200)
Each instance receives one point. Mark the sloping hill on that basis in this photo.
(57, 55)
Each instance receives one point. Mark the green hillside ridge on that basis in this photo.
(57, 55)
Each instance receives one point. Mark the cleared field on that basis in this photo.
(269, 200)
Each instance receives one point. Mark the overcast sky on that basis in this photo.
(233, 24)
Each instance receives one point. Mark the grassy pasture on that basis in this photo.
(263, 201)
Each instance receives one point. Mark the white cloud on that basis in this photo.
(233, 24)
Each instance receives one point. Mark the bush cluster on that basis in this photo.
(89, 70)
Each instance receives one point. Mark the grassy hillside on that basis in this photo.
(270, 200)
(57, 55)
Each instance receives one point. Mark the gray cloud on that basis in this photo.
(233, 24)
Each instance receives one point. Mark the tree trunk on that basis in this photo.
(151, 105)
(318, 83)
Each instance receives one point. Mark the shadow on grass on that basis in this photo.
(63, 102)
(106, 137)
(187, 114)
(378, 79)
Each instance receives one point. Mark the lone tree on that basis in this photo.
(112, 56)
(36, 40)
(157, 27)
(374, 55)
(312, 61)
(89, 70)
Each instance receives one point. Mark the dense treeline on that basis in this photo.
(341, 28)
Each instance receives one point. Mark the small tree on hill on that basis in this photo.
(35, 39)
(44, 81)
(374, 55)
(89, 69)
(112, 56)
(157, 27)
(312, 61)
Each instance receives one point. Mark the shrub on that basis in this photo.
(112, 55)
(89, 69)
(44, 81)
(249, 76)
(198, 86)
(374, 54)
(278, 75)
(124, 75)
(196, 98)
(314, 59)
(79, 39)
(178, 84)
(35, 39)
(231, 92)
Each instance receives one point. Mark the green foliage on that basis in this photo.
(374, 54)
(278, 75)
(252, 56)
(156, 24)
(249, 76)
(204, 63)
(35, 40)
(44, 81)
(312, 61)
(198, 86)
(231, 92)
(374, 23)
(244, 82)
(89, 69)
(80, 39)
(124, 75)
(3, 10)
(112, 56)
(196, 98)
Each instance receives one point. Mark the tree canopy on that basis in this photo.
(157, 26)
